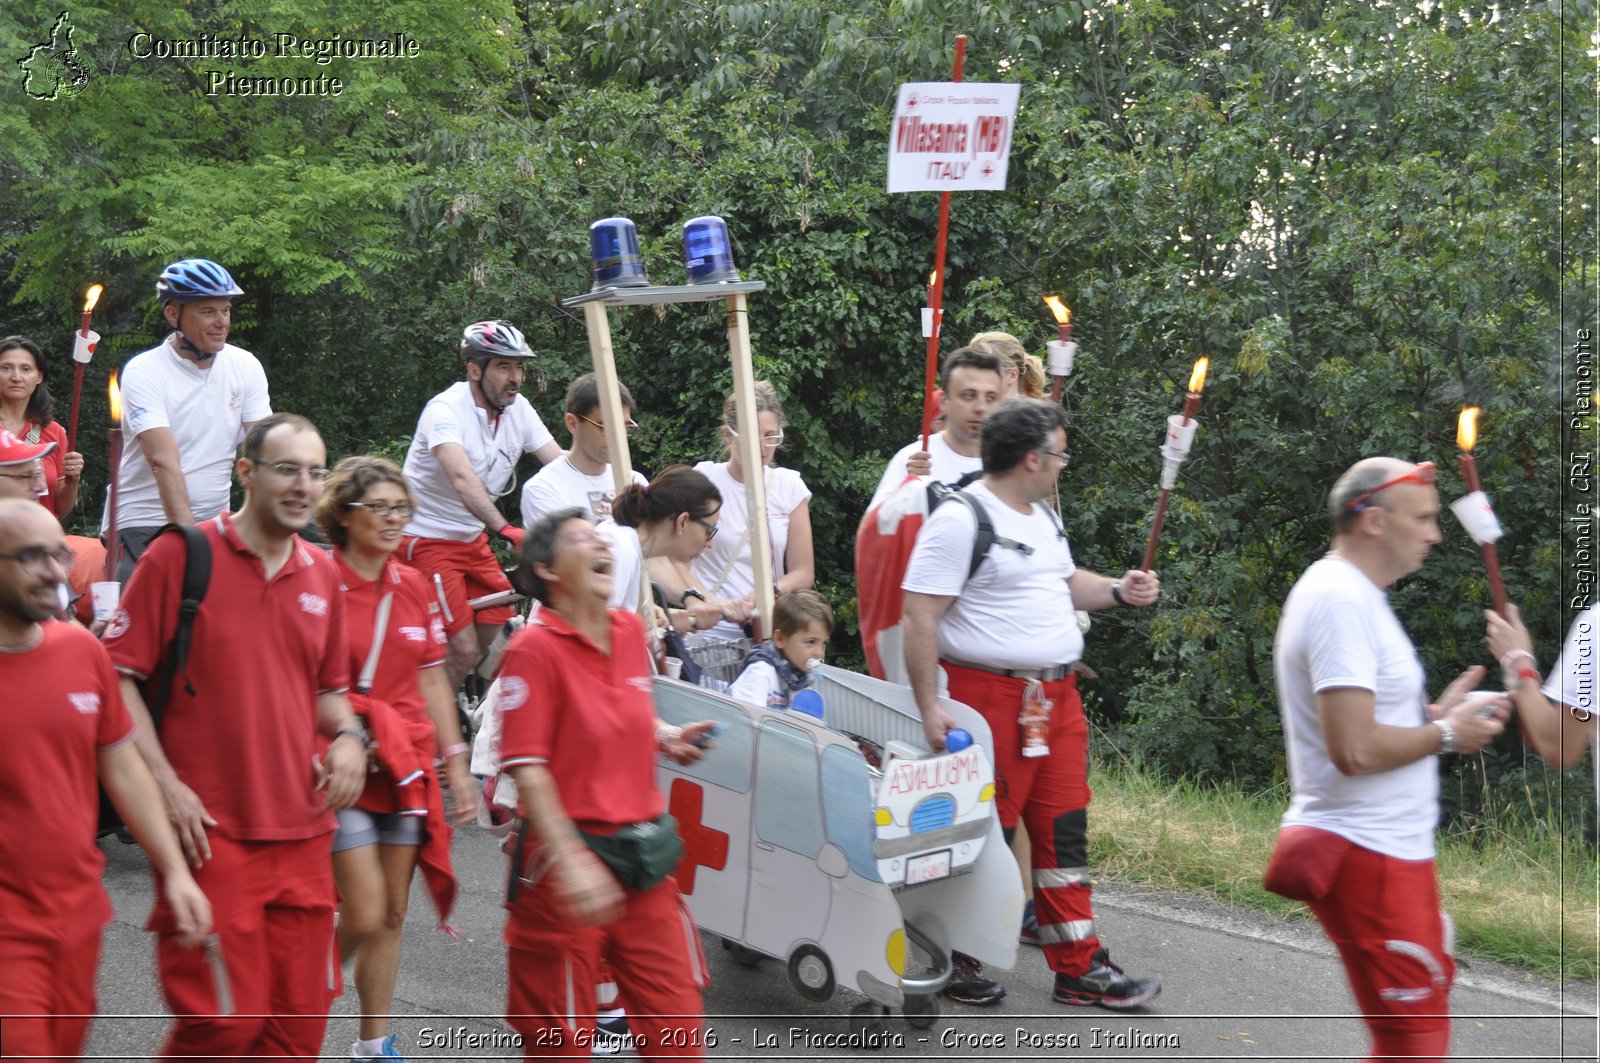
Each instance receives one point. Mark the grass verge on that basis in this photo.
(1519, 895)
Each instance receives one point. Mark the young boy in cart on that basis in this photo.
(776, 670)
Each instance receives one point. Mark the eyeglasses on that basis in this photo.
(629, 426)
(38, 558)
(290, 471)
(382, 510)
(34, 476)
(771, 439)
(1422, 473)
(711, 529)
(1060, 455)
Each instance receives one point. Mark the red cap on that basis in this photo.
(14, 451)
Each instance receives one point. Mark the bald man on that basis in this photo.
(65, 725)
(1357, 843)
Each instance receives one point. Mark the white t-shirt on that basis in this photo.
(206, 411)
(1571, 681)
(759, 685)
(1338, 631)
(947, 466)
(627, 560)
(786, 492)
(1016, 611)
(452, 417)
(559, 485)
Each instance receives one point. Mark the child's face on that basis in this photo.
(810, 643)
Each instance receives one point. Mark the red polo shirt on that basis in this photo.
(262, 651)
(62, 708)
(588, 717)
(414, 639)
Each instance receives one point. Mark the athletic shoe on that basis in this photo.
(1030, 925)
(967, 984)
(1104, 984)
(611, 1036)
(389, 1051)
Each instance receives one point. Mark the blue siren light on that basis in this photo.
(706, 253)
(614, 254)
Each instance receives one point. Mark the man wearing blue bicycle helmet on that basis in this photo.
(186, 404)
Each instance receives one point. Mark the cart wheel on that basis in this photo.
(869, 1023)
(810, 973)
(744, 957)
(921, 1012)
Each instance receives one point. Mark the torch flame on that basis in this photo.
(115, 393)
(1467, 429)
(1063, 315)
(933, 279)
(92, 296)
(1197, 379)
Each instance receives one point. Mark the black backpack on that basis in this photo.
(157, 690)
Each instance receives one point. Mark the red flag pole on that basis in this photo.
(936, 290)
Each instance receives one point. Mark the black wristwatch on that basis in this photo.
(1116, 593)
(690, 592)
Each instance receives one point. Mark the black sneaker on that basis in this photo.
(968, 986)
(611, 1037)
(1104, 984)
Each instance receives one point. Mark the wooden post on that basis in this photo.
(598, 326)
(755, 480)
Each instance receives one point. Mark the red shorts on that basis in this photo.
(462, 571)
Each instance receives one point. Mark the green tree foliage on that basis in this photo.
(1350, 207)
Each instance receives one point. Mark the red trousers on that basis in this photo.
(1383, 915)
(654, 951)
(49, 978)
(465, 571)
(1050, 794)
(265, 988)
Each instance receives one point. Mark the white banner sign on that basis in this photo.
(951, 137)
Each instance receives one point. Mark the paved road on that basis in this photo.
(1239, 985)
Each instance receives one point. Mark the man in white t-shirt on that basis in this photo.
(971, 381)
(464, 456)
(186, 404)
(1357, 843)
(1007, 636)
(582, 477)
(1562, 718)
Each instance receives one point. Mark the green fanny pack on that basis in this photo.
(640, 854)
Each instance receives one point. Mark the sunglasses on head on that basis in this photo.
(1424, 473)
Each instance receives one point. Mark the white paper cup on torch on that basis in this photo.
(106, 595)
(674, 668)
(1180, 435)
(1061, 354)
(1477, 516)
(927, 322)
(83, 346)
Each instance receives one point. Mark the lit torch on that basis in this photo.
(1180, 436)
(113, 548)
(928, 329)
(1062, 350)
(83, 344)
(1474, 511)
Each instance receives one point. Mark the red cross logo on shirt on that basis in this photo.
(702, 846)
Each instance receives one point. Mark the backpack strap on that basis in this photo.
(986, 537)
(196, 580)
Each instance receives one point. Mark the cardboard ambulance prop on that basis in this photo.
(796, 849)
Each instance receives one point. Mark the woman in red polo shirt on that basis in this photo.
(397, 648)
(25, 407)
(579, 735)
